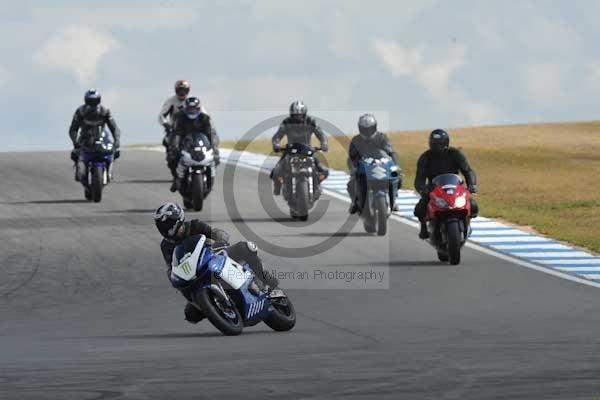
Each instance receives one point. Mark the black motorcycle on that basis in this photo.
(197, 165)
(301, 180)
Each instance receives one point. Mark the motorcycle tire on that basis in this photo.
(206, 299)
(381, 208)
(454, 242)
(97, 184)
(197, 192)
(302, 199)
(283, 315)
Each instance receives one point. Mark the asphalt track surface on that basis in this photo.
(86, 311)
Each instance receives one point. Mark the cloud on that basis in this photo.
(4, 76)
(146, 18)
(435, 77)
(543, 83)
(77, 50)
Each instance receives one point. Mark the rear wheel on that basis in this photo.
(381, 208)
(302, 199)
(96, 186)
(454, 242)
(197, 192)
(283, 316)
(220, 311)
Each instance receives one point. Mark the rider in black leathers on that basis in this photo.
(191, 119)
(298, 128)
(369, 141)
(441, 159)
(88, 116)
(170, 221)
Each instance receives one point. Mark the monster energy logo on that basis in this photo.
(186, 267)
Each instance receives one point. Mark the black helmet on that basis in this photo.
(298, 110)
(192, 108)
(367, 125)
(92, 98)
(182, 89)
(439, 140)
(168, 219)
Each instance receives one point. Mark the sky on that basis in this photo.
(419, 64)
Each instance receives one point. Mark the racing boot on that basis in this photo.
(276, 187)
(175, 185)
(192, 314)
(353, 207)
(424, 233)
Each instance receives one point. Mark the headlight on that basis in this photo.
(441, 203)
(460, 201)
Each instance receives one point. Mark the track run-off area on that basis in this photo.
(87, 312)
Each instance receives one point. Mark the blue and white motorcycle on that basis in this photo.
(377, 179)
(227, 292)
(94, 169)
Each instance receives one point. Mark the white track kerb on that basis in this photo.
(507, 242)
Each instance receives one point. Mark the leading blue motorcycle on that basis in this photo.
(94, 169)
(377, 178)
(227, 292)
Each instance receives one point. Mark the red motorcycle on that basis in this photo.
(449, 216)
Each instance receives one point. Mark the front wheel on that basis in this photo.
(96, 185)
(454, 242)
(197, 192)
(283, 316)
(220, 311)
(381, 208)
(302, 199)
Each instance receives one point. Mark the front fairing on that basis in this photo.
(383, 169)
(449, 202)
(98, 150)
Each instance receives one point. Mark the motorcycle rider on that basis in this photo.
(191, 119)
(441, 158)
(87, 117)
(368, 141)
(299, 128)
(170, 107)
(170, 222)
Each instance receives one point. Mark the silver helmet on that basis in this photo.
(367, 125)
(298, 110)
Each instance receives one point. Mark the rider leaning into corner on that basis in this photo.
(440, 159)
(299, 128)
(88, 116)
(191, 119)
(368, 141)
(170, 221)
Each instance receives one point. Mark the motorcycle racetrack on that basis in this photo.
(87, 311)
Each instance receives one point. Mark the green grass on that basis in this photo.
(546, 176)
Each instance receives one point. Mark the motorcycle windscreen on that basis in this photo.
(184, 262)
(447, 180)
